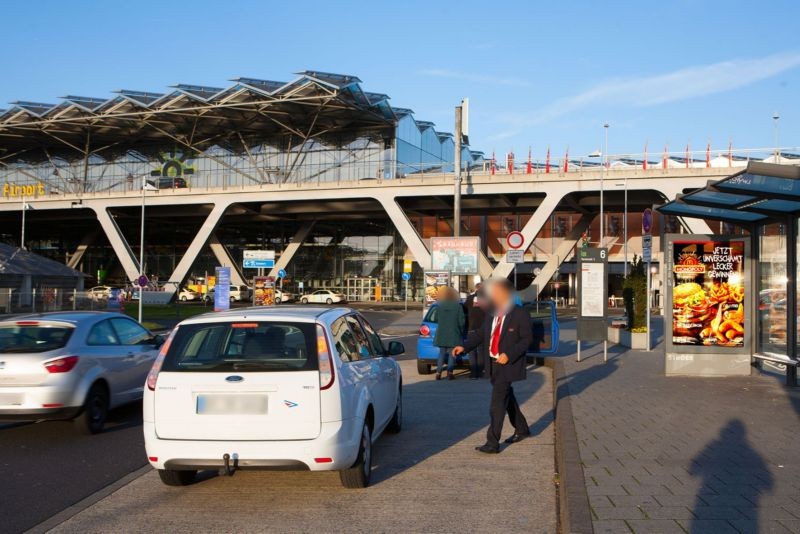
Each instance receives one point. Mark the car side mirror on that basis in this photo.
(396, 348)
(158, 340)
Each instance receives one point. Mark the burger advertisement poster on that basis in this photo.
(708, 293)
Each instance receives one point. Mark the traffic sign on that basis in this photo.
(647, 221)
(142, 281)
(408, 265)
(259, 259)
(647, 248)
(515, 256)
(406, 276)
(282, 273)
(515, 240)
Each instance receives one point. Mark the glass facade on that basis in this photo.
(772, 283)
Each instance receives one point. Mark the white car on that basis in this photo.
(235, 294)
(283, 296)
(323, 296)
(188, 295)
(100, 292)
(72, 365)
(282, 388)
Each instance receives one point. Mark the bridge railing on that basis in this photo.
(126, 178)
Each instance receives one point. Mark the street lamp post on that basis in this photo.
(602, 187)
(625, 228)
(141, 250)
(775, 119)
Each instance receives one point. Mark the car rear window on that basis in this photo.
(432, 316)
(243, 346)
(34, 338)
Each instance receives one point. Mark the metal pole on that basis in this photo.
(406, 296)
(602, 188)
(775, 118)
(649, 334)
(625, 230)
(457, 174)
(22, 235)
(141, 251)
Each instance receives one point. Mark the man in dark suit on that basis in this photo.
(503, 340)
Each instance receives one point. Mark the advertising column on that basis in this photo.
(222, 289)
(709, 332)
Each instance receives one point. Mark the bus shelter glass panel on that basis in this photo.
(773, 278)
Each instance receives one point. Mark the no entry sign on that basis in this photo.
(515, 240)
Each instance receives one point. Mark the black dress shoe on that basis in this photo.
(517, 438)
(488, 449)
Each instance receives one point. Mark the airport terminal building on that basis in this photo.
(344, 187)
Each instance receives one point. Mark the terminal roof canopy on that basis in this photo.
(328, 107)
(762, 192)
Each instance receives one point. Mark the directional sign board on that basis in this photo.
(259, 259)
(647, 248)
(647, 221)
(515, 256)
(592, 294)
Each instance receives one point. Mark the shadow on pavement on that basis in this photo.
(729, 459)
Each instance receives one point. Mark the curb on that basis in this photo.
(67, 513)
(574, 513)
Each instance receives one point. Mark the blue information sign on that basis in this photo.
(222, 289)
(282, 273)
(259, 264)
(406, 276)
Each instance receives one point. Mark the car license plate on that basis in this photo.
(232, 404)
(10, 399)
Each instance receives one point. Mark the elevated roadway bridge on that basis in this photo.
(188, 220)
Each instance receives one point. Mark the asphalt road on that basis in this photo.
(46, 467)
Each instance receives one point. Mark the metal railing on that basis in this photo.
(51, 299)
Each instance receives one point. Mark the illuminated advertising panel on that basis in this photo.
(708, 292)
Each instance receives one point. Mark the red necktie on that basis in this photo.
(494, 347)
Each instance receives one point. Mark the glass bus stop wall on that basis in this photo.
(708, 281)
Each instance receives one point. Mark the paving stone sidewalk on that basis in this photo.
(673, 454)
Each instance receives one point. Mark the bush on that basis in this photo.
(634, 294)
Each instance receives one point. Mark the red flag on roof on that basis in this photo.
(708, 155)
(530, 167)
(664, 159)
(730, 153)
(510, 162)
(492, 162)
(687, 155)
(547, 162)
(566, 161)
(644, 161)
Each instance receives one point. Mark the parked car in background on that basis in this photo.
(100, 292)
(72, 365)
(544, 322)
(323, 296)
(236, 294)
(281, 388)
(188, 295)
(282, 296)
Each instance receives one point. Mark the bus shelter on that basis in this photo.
(764, 201)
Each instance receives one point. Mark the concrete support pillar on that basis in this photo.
(529, 231)
(226, 260)
(291, 249)
(557, 258)
(196, 246)
(406, 230)
(121, 248)
(76, 257)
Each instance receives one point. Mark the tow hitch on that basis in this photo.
(230, 469)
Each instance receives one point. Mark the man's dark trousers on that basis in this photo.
(504, 402)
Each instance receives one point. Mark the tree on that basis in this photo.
(634, 294)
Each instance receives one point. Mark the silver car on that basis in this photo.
(72, 365)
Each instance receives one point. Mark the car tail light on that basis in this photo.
(27, 323)
(61, 365)
(424, 330)
(326, 372)
(152, 376)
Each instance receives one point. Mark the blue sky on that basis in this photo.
(538, 73)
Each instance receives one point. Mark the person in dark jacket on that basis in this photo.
(504, 341)
(476, 301)
(449, 331)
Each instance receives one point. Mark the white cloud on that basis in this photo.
(472, 77)
(682, 84)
